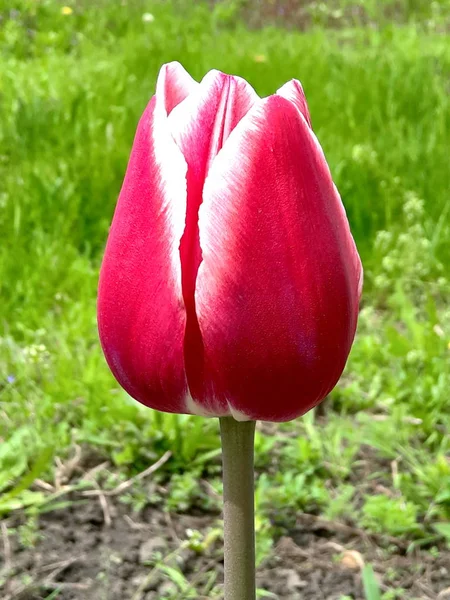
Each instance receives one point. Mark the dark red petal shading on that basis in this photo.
(278, 287)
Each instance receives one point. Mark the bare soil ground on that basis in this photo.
(84, 558)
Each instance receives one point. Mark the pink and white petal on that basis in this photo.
(174, 85)
(200, 126)
(141, 316)
(293, 91)
(277, 289)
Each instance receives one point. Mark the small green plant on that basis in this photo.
(408, 257)
(184, 491)
(28, 532)
(391, 515)
(17, 474)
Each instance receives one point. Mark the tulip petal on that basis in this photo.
(200, 126)
(140, 307)
(174, 85)
(293, 91)
(277, 288)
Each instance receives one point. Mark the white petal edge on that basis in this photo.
(178, 78)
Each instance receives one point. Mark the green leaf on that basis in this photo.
(25, 500)
(399, 345)
(20, 496)
(371, 589)
(207, 456)
(443, 496)
(13, 456)
(443, 529)
(176, 576)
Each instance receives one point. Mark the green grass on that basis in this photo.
(72, 89)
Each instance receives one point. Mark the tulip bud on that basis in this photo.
(230, 283)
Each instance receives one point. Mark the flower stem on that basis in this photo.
(238, 510)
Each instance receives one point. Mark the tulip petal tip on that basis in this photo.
(293, 91)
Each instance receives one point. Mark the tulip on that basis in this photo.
(230, 283)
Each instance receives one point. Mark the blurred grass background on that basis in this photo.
(74, 79)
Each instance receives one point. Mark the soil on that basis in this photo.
(84, 558)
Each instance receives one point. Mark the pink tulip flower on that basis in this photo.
(230, 283)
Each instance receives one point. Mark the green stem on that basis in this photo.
(238, 508)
